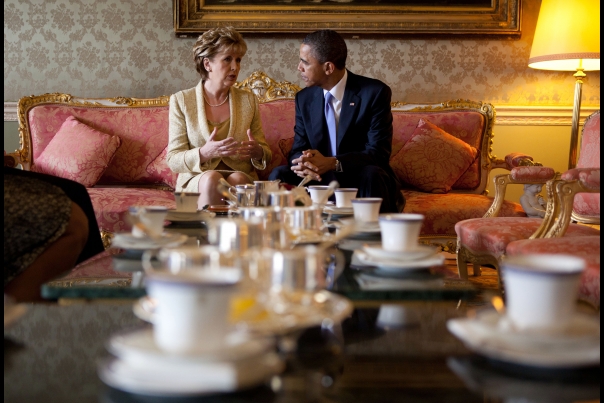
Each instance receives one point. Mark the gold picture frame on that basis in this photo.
(466, 17)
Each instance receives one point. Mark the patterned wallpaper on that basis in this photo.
(106, 48)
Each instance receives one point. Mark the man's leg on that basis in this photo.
(373, 181)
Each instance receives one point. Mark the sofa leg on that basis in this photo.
(476, 269)
(462, 263)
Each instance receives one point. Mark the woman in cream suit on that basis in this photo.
(215, 129)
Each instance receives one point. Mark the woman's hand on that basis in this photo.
(251, 148)
(228, 147)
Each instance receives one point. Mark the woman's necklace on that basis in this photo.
(220, 104)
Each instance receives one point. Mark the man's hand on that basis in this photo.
(313, 163)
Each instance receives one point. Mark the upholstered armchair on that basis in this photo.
(487, 240)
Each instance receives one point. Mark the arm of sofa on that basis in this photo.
(573, 181)
(12, 160)
(514, 160)
(518, 175)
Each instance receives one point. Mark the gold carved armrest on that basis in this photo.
(12, 160)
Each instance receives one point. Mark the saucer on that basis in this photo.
(126, 240)
(364, 227)
(195, 378)
(306, 309)
(139, 346)
(420, 251)
(578, 347)
(392, 265)
(189, 216)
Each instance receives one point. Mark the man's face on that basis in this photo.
(312, 72)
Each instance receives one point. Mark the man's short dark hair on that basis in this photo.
(327, 46)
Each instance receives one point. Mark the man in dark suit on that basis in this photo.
(343, 126)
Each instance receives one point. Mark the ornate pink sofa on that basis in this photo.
(136, 174)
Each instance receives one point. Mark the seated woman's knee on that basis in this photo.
(237, 178)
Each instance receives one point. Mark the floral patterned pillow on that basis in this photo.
(160, 171)
(77, 152)
(432, 160)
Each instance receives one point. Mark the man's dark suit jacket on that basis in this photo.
(364, 135)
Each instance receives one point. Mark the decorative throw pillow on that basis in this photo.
(432, 160)
(77, 152)
(160, 171)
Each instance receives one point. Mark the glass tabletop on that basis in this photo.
(52, 352)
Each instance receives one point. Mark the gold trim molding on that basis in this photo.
(507, 115)
(517, 115)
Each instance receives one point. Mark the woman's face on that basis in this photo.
(224, 66)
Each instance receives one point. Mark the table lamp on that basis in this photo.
(567, 38)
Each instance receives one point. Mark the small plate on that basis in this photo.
(398, 265)
(362, 227)
(139, 346)
(193, 379)
(421, 251)
(126, 240)
(185, 216)
(484, 336)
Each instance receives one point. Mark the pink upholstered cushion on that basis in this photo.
(464, 125)
(111, 204)
(589, 156)
(278, 120)
(532, 173)
(586, 247)
(432, 160)
(143, 131)
(492, 235)
(77, 152)
(160, 171)
(443, 211)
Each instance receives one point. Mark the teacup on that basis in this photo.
(186, 201)
(192, 314)
(317, 193)
(152, 217)
(400, 232)
(344, 196)
(366, 209)
(541, 290)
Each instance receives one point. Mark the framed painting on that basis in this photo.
(466, 17)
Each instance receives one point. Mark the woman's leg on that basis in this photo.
(59, 257)
(208, 189)
(237, 178)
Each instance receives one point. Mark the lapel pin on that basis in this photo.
(352, 104)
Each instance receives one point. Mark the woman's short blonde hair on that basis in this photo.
(214, 41)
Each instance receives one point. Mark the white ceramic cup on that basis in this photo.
(393, 315)
(192, 314)
(541, 290)
(400, 232)
(344, 196)
(151, 217)
(366, 209)
(317, 192)
(186, 201)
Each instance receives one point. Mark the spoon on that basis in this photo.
(306, 179)
(333, 185)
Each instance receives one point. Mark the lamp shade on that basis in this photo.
(567, 36)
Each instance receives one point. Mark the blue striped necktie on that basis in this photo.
(330, 117)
